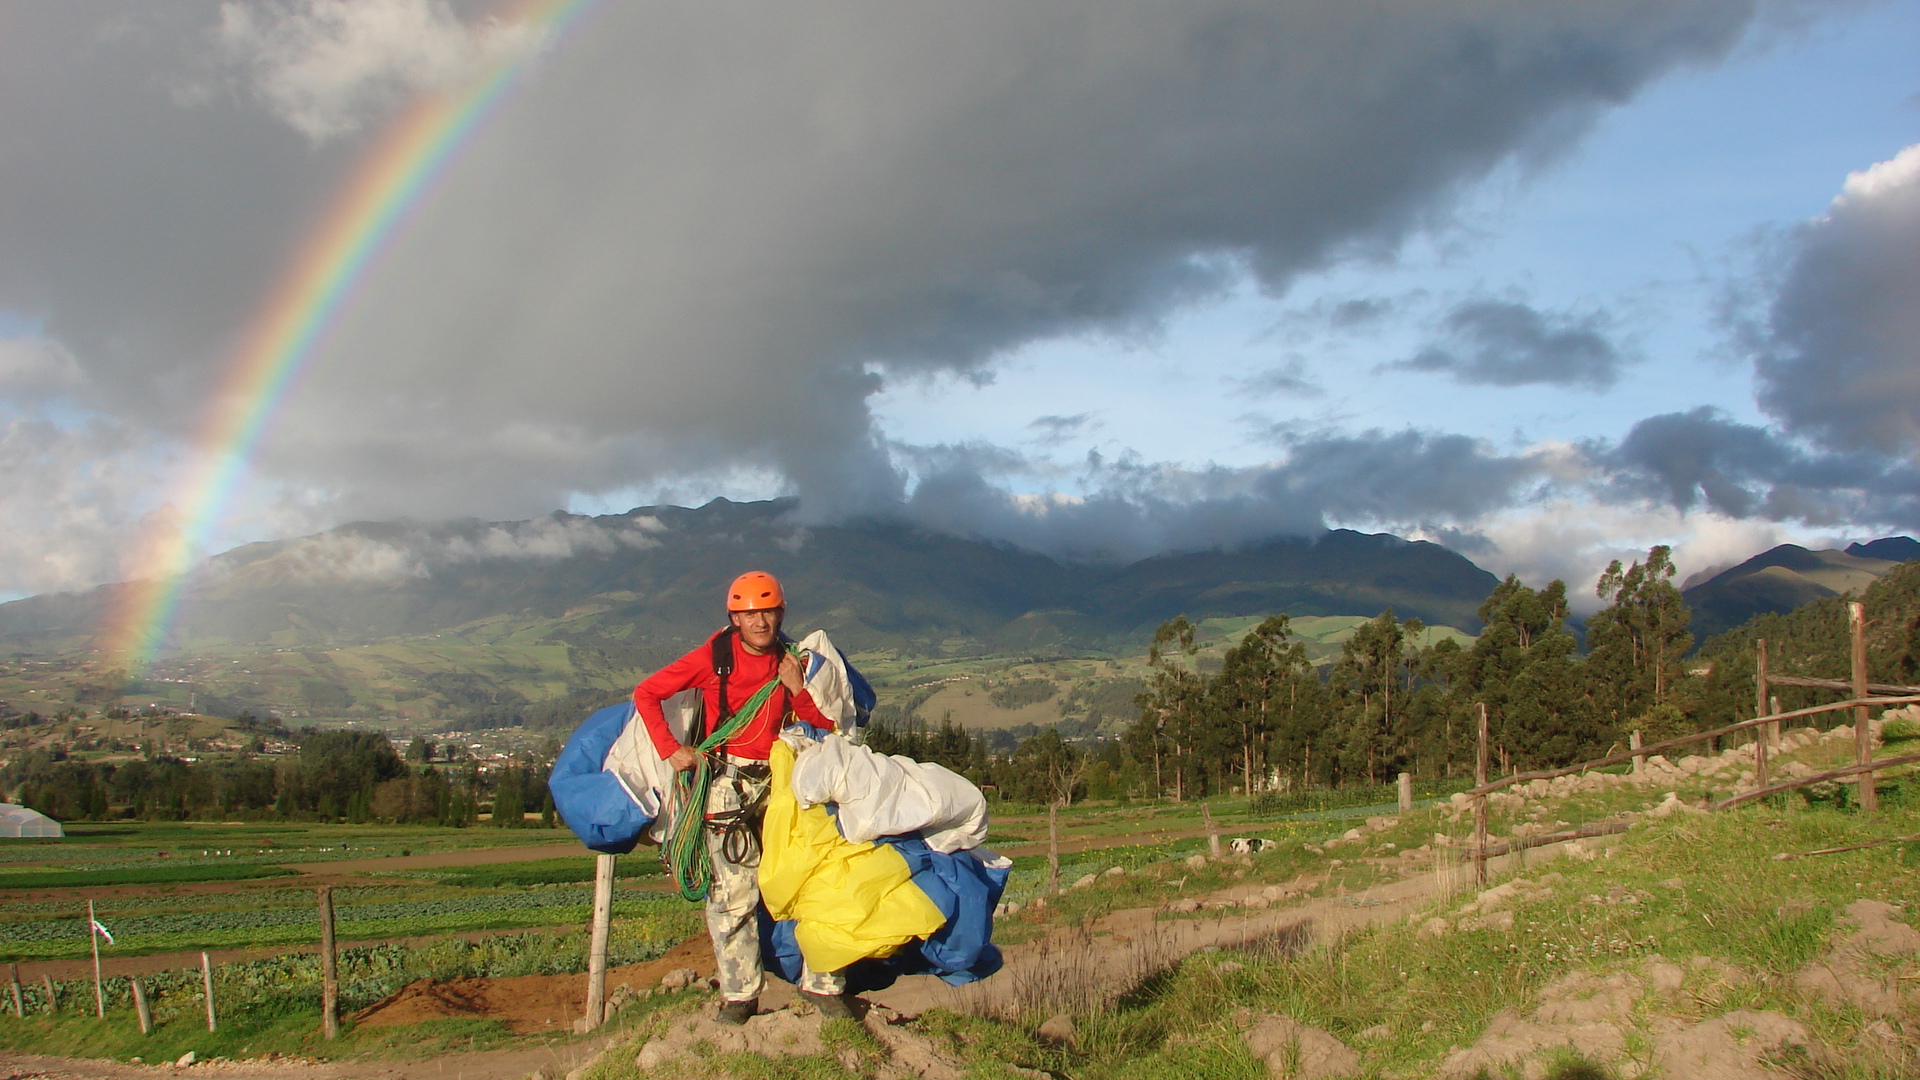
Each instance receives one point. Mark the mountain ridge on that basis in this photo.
(1786, 576)
(653, 573)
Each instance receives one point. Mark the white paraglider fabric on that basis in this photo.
(889, 795)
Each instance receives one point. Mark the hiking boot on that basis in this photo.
(829, 1006)
(737, 1013)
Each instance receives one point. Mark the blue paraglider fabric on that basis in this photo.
(592, 801)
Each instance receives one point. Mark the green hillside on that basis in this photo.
(1786, 577)
(479, 620)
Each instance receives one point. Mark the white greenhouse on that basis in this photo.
(20, 821)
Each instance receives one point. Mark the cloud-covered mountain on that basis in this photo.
(653, 578)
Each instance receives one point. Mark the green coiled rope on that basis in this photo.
(685, 851)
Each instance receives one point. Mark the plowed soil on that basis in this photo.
(529, 1004)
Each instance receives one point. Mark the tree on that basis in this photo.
(1371, 670)
(1170, 707)
(509, 806)
(1636, 643)
(1047, 769)
(1258, 692)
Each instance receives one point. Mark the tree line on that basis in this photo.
(351, 776)
(1266, 719)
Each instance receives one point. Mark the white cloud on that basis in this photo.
(381, 553)
(1573, 538)
(72, 498)
(36, 366)
(327, 66)
(1839, 354)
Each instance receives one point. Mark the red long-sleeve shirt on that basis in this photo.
(750, 673)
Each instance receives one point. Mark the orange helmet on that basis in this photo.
(755, 590)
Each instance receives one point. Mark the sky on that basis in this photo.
(1546, 283)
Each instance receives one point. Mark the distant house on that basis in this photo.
(16, 820)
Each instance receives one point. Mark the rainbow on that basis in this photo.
(374, 206)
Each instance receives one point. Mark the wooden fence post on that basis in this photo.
(140, 1008)
(597, 941)
(1862, 729)
(93, 935)
(329, 966)
(1763, 690)
(53, 1000)
(206, 984)
(1639, 759)
(19, 1001)
(1480, 803)
(1213, 831)
(1406, 793)
(1053, 849)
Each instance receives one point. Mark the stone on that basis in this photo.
(1256, 903)
(1058, 1030)
(185, 1060)
(1184, 905)
(1085, 880)
(679, 979)
(1196, 862)
(1295, 1051)
(1114, 871)
(1499, 920)
(1434, 927)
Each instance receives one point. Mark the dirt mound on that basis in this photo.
(528, 1004)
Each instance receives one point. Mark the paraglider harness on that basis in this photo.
(685, 852)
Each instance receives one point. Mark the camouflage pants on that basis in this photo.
(732, 898)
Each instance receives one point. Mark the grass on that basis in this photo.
(272, 1006)
(1670, 890)
(562, 871)
(136, 875)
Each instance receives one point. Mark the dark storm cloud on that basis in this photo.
(1289, 379)
(1502, 343)
(1839, 353)
(701, 235)
(1054, 430)
(1354, 314)
(1702, 458)
(1131, 509)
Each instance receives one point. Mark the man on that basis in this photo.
(755, 607)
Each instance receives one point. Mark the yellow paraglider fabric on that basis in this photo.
(849, 901)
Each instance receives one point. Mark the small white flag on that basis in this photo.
(101, 930)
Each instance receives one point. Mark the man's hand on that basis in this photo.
(684, 758)
(790, 674)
